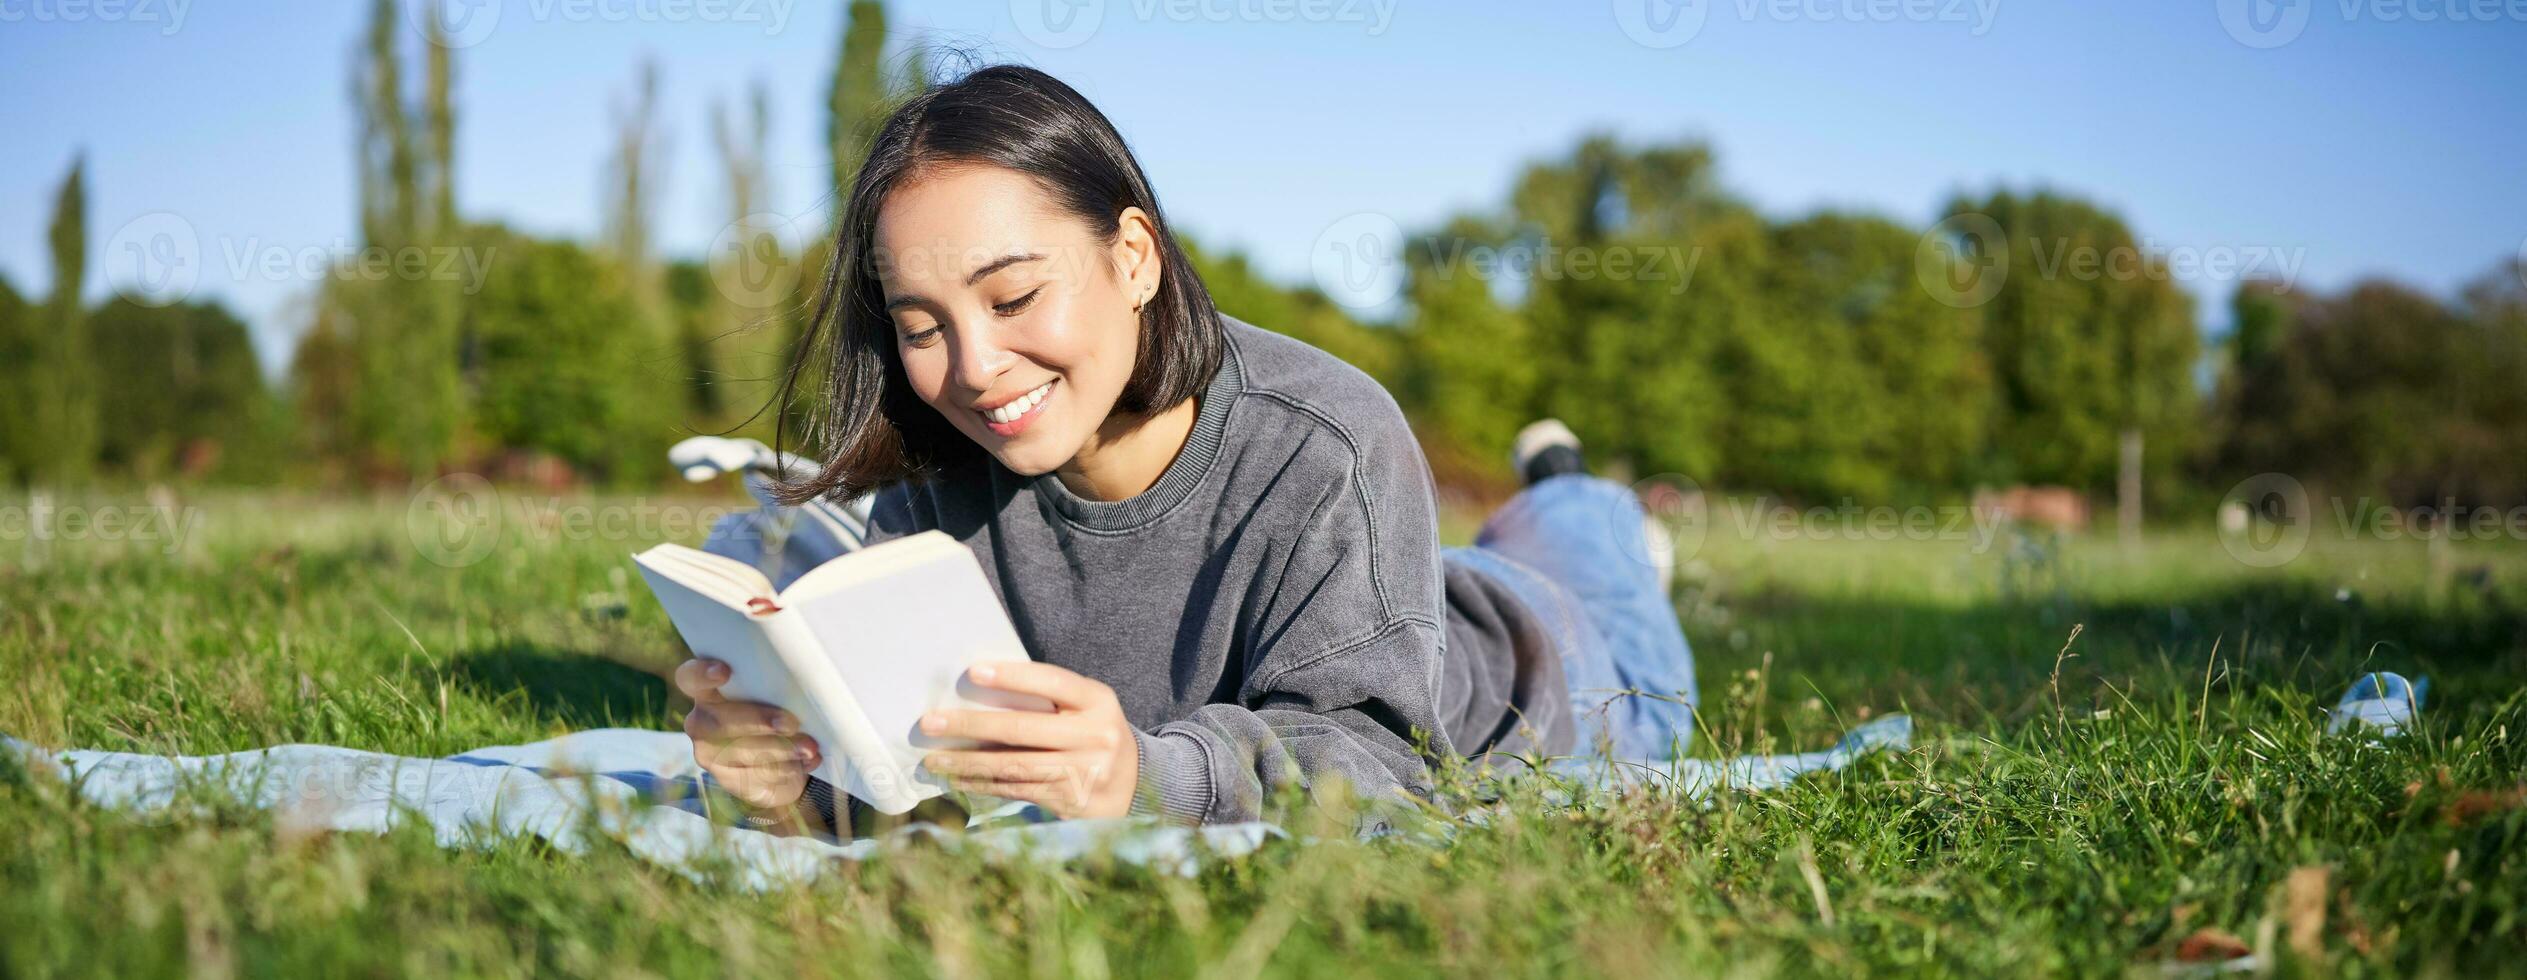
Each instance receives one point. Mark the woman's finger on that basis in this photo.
(700, 679)
(1025, 729)
(1008, 767)
(1065, 688)
(725, 720)
(765, 752)
(1044, 794)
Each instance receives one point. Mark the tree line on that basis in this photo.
(1618, 286)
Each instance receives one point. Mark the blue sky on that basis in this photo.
(2367, 141)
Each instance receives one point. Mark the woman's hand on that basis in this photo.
(1078, 760)
(754, 750)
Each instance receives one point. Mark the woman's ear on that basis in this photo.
(1137, 255)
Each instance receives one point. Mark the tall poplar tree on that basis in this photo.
(48, 424)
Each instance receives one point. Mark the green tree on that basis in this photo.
(1305, 313)
(2087, 338)
(1626, 357)
(1470, 377)
(401, 325)
(324, 374)
(555, 373)
(440, 108)
(17, 368)
(387, 166)
(1922, 389)
(2494, 455)
(863, 90)
(653, 330)
(48, 424)
(735, 339)
(189, 396)
(2258, 319)
(2385, 390)
(12, 309)
(858, 97)
(639, 148)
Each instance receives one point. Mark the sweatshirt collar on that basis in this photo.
(1192, 463)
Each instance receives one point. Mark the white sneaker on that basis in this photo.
(1538, 436)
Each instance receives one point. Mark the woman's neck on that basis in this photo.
(1128, 453)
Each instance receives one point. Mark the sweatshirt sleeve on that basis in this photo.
(1343, 655)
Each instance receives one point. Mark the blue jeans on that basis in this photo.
(1572, 547)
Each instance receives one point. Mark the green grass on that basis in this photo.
(2079, 816)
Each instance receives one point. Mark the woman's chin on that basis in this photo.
(1022, 458)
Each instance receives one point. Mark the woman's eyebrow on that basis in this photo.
(1000, 263)
(976, 276)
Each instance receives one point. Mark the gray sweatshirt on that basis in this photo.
(1274, 610)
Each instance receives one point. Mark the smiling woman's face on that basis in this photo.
(1012, 320)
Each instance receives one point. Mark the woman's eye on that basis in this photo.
(1015, 306)
(921, 338)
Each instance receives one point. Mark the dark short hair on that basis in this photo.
(866, 421)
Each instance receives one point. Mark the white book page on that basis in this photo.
(902, 643)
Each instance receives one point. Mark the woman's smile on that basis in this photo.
(1011, 417)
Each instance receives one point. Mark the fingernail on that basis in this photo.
(933, 724)
(785, 724)
(983, 673)
(718, 670)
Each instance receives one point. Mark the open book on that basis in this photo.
(858, 649)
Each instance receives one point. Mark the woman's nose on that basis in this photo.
(979, 359)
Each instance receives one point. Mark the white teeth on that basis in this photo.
(1019, 406)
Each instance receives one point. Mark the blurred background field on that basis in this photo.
(277, 605)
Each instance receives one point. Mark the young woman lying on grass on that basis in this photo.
(1219, 543)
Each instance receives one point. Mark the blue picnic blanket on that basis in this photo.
(641, 789)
